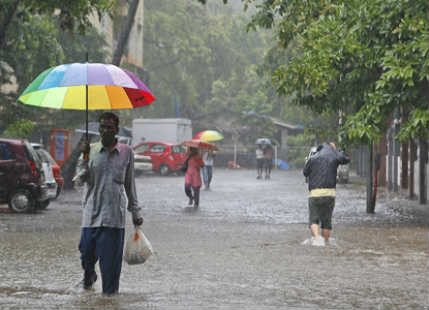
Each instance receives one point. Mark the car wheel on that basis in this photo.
(164, 170)
(42, 205)
(21, 201)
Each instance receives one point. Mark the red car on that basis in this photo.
(166, 157)
(56, 170)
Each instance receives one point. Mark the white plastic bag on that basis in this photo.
(138, 248)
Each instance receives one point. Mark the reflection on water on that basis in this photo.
(240, 249)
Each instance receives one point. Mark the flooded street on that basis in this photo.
(241, 249)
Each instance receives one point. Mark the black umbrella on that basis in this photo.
(263, 141)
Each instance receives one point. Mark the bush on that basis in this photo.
(19, 130)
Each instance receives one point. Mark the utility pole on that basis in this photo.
(413, 157)
(404, 156)
(390, 161)
(396, 153)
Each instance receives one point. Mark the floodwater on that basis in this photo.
(242, 249)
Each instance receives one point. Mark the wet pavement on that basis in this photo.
(241, 249)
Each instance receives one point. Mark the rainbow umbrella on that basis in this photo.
(87, 86)
(209, 135)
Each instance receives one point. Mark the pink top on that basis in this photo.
(193, 176)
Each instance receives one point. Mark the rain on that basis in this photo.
(262, 88)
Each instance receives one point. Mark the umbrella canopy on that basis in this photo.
(109, 88)
(263, 141)
(209, 135)
(200, 144)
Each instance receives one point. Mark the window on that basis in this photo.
(179, 149)
(5, 153)
(142, 148)
(45, 156)
(157, 148)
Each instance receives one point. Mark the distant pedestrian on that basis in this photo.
(109, 191)
(208, 158)
(193, 178)
(321, 170)
(268, 160)
(259, 160)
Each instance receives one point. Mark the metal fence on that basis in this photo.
(294, 157)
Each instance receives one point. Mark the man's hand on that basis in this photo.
(85, 147)
(138, 221)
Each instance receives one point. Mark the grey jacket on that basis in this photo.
(321, 168)
(109, 186)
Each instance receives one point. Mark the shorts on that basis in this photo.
(268, 163)
(320, 211)
(259, 163)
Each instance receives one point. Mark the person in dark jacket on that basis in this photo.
(321, 170)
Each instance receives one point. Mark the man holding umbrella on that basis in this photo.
(109, 172)
(109, 191)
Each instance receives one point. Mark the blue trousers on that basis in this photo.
(105, 244)
(207, 175)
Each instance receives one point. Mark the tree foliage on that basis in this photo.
(364, 58)
(202, 58)
(19, 130)
(35, 42)
(72, 15)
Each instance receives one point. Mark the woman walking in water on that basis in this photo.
(193, 178)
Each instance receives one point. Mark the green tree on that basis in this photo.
(19, 130)
(71, 14)
(364, 58)
(205, 59)
(31, 41)
(41, 46)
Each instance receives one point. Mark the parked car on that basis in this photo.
(166, 157)
(142, 163)
(26, 183)
(45, 156)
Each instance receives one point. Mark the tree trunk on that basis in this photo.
(412, 157)
(381, 149)
(370, 201)
(422, 171)
(11, 9)
(125, 33)
(396, 154)
(69, 168)
(404, 155)
(404, 161)
(390, 161)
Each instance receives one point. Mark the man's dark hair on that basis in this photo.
(109, 115)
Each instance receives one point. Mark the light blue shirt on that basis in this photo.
(109, 186)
